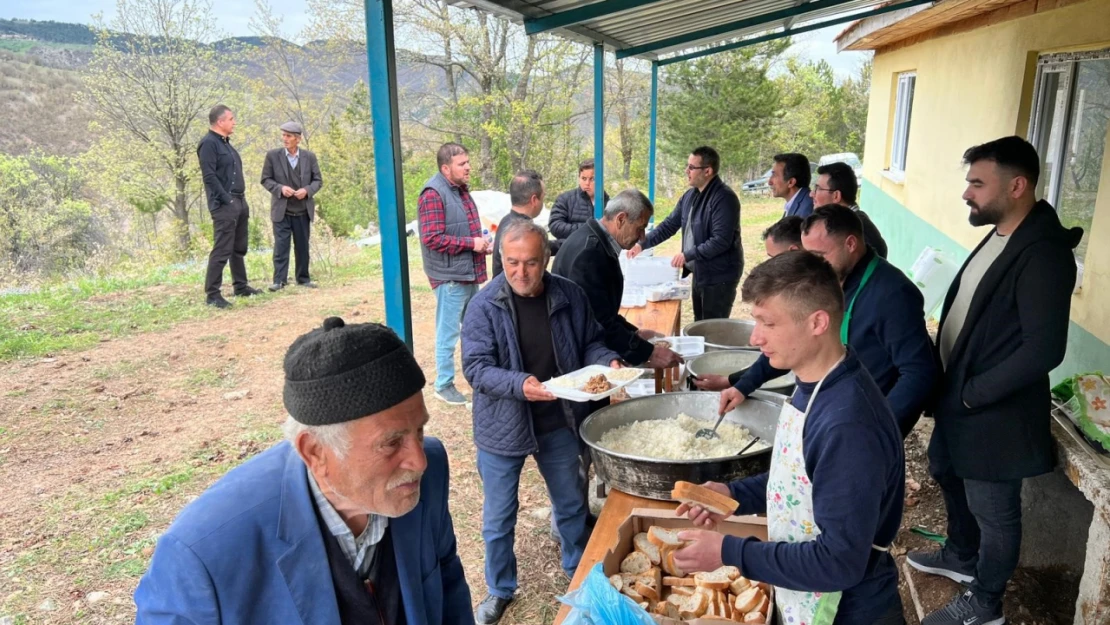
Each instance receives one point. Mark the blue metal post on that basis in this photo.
(599, 130)
(651, 132)
(387, 166)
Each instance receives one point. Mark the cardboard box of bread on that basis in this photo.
(641, 566)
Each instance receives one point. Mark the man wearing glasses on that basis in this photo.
(709, 216)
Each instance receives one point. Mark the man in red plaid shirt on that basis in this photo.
(454, 252)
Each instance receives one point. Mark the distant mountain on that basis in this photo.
(48, 32)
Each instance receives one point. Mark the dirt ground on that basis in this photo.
(100, 449)
(1034, 596)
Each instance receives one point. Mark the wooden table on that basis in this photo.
(662, 317)
(617, 507)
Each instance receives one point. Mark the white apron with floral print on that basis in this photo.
(790, 514)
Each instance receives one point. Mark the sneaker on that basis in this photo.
(967, 609)
(451, 395)
(491, 609)
(250, 291)
(944, 563)
(308, 285)
(218, 302)
(275, 287)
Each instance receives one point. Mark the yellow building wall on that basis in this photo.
(973, 87)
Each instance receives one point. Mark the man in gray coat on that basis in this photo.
(292, 176)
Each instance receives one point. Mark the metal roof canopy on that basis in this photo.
(669, 31)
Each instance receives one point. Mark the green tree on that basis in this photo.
(153, 90)
(724, 100)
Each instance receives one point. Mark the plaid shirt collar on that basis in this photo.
(359, 551)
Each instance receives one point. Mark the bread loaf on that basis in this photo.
(711, 500)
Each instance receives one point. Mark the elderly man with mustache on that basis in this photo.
(345, 522)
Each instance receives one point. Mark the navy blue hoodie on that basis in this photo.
(853, 455)
(888, 332)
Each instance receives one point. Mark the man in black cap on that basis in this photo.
(292, 176)
(222, 172)
(345, 522)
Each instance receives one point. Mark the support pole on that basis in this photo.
(599, 130)
(654, 125)
(382, 62)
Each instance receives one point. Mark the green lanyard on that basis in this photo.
(852, 304)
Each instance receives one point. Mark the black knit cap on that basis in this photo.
(339, 372)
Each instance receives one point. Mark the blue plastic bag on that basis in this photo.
(596, 602)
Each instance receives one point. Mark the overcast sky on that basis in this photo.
(235, 19)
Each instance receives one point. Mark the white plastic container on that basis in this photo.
(648, 271)
(933, 272)
(685, 346)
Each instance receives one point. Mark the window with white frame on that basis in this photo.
(903, 108)
(1068, 126)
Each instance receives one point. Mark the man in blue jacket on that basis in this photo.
(884, 323)
(790, 177)
(709, 216)
(833, 495)
(346, 522)
(527, 326)
(572, 209)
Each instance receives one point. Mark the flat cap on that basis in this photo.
(292, 127)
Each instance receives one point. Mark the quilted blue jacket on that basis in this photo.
(494, 366)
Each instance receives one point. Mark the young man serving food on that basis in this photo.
(833, 496)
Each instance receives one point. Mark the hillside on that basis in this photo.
(42, 100)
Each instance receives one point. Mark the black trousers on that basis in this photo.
(984, 522)
(229, 234)
(713, 301)
(298, 229)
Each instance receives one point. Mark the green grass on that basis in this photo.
(77, 314)
(20, 46)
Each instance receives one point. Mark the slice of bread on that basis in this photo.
(711, 500)
(678, 581)
(754, 618)
(695, 606)
(764, 604)
(683, 591)
(636, 563)
(641, 543)
(617, 582)
(714, 580)
(748, 600)
(726, 604)
(670, 567)
(647, 590)
(635, 596)
(739, 585)
(732, 572)
(665, 538)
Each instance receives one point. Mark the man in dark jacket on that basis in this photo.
(1004, 328)
(785, 235)
(789, 180)
(709, 216)
(572, 209)
(590, 258)
(526, 193)
(527, 326)
(292, 176)
(222, 172)
(836, 184)
(884, 322)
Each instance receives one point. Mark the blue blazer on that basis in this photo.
(803, 206)
(250, 551)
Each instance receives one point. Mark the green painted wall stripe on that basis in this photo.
(907, 234)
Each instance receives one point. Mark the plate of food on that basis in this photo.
(592, 383)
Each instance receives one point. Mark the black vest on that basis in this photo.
(293, 206)
(373, 601)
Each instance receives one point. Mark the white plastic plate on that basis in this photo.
(581, 376)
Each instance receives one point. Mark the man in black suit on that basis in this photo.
(1004, 328)
(222, 172)
(292, 176)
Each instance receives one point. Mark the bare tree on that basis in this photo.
(153, 77)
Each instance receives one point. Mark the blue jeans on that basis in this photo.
(558, 462)
(451, 301)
